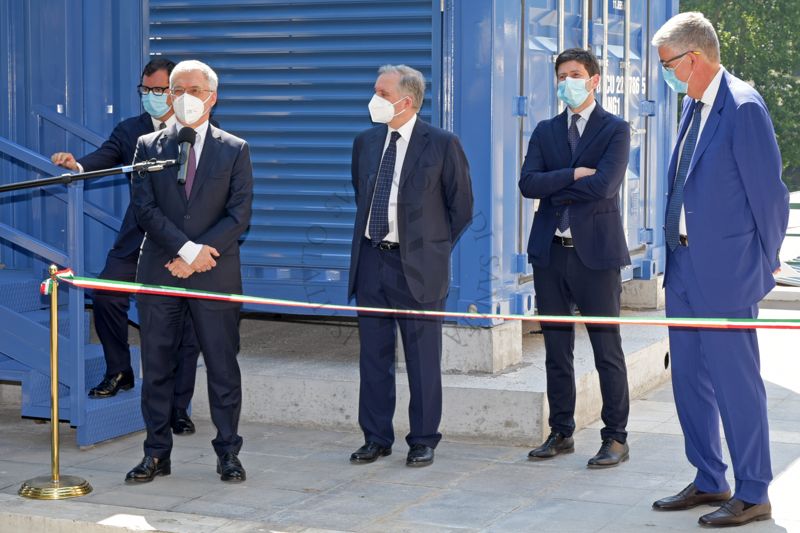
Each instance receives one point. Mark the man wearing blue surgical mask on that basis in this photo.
(574, 166)
(110, 308)
(726, 205)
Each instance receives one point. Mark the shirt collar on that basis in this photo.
(710, 94)
(406, 129)
(169, 122)
(201, 132)
(585, 114)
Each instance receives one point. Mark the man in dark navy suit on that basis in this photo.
(727, 213)
(575, 165)
(414, 199)
(192, 231)
(111, 308)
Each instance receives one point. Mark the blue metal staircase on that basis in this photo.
(25, 317)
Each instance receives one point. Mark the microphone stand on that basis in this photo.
(65, 179)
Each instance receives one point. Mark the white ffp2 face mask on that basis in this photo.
(188, 109)
(381, 110)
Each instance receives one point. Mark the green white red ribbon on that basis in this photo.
(139, 288)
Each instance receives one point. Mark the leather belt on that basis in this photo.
(563, 241)
(386, 245)
(683, 240)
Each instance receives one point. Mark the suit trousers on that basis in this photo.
(717, 373)
(382, 283)
(110, 311)
(163, 319)
(563, 284)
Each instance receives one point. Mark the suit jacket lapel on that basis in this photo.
(375, 152)
(168, 147)
(673, 163)
(560, 138)
(712, 122)
(419, 139)
(593, 127)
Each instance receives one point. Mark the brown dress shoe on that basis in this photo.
(555, 444)
(611, 454)
(736, 512)
(689, 498)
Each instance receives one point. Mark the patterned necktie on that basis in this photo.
(573, 136)
(672, 226)
(379, 214)
(191, 168)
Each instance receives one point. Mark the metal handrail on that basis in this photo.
(68, 125)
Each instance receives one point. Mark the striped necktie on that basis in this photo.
(573, 137)
(672, 226)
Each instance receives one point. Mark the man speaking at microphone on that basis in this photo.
(192, 232)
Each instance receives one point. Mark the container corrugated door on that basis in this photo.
(295, 80)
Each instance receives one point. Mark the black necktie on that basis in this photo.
(379, 214)
(573, 137)
(676, 198)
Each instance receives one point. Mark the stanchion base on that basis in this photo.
(43, 488)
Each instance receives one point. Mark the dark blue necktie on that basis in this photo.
(673, 221)
(379, 213)
(573, 136)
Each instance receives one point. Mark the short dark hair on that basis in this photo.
(156, 64)
(584, 57)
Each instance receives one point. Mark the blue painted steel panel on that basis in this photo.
(295, 80)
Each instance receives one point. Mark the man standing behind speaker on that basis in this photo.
(575, 165)
(110, 309)
(414, 199)
(192, 233)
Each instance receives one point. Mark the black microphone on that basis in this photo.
(186, 137)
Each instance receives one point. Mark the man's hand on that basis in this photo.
(179, 268)
(205, 259)
(582, 172)
(64, 159)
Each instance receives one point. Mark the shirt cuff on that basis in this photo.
(189, 251)
(80, 167)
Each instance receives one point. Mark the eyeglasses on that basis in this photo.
(194, 91)
(144, 89)
(668, 61)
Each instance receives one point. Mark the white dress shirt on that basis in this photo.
(708, 98)
(190, 250)
(581, 124)
(402, 147)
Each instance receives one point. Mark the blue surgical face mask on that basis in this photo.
(672, 80)
(156, 106)
(573, 91)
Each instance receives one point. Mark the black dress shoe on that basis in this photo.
(419, 455)
(689, 498)
(111, 385)
(555, 444)
(736, 512)
(611, 453)
(181, 423)
(148, 469)
(230, 468)
(369, 452)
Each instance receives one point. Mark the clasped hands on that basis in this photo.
(204, 262)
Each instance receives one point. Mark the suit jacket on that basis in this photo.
(594, 201)
(737, 207)
(434, 204)
(217, 212)
(118, 150)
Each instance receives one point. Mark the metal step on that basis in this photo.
(19, 290)
(42, 316)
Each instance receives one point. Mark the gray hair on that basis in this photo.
(689, 31)
(412, 82)
(192, 65)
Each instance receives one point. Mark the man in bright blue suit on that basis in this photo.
(575, 166)
(727, 213)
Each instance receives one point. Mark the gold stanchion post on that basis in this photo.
(55, 486)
